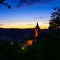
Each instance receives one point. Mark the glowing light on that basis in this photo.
(22, 48)
(36, 32)
(11, 43)
(29, 42)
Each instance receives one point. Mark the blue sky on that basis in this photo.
(29, 14)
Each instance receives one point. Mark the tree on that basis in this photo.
(2, 2)
(55, 19)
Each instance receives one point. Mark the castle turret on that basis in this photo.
(37, 26)
(37, 31)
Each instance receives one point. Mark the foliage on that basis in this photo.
(44, 48)
(3, 2)
(55, 19)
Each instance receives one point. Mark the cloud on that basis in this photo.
(39, 17)
(1, 24)
(42, 17)
(30, 2)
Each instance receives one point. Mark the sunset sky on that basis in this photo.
(26, 13)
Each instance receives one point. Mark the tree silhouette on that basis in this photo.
(2, 2)
(55, 19)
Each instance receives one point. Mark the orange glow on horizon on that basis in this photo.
(42, 26)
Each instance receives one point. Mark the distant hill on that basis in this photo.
(20, 34)
(15, 34)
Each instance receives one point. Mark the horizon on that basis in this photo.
(26, 15)
(25, 26)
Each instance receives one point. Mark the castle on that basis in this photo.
(33, 37)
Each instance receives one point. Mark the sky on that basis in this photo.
(26, 13)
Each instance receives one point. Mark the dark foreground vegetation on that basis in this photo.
(43, 49)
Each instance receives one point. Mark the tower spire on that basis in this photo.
(37, 32)
(37, 25)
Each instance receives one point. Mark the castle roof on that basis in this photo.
(37, 26)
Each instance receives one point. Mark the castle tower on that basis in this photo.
(37, 31)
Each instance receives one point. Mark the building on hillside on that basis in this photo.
(37, 29)
(33, 37)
